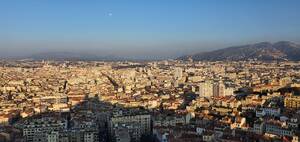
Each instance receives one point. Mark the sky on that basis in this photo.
(142, 29)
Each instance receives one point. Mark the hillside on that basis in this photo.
(283, 50)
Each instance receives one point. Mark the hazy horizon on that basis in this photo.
(143, 29)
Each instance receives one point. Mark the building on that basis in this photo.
(123, 133)
(178, 73)
(36, 129)
(206, 89)
(276, 128)
(292, 101)
(210, 88)
(259, 127)
(137, 122)
(82, 135)
(267, 112)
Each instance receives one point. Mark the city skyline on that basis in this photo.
(150, 71)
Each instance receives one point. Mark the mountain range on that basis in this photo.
(266, 51)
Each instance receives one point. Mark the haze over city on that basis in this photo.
(136, 29)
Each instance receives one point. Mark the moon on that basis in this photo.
(110, 14)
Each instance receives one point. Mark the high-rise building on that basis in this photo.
(209, 88)
(216, 89)
(206, 89)
(221, 89)
(178, 73)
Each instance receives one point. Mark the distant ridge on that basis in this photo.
(265, 51)
(79, 56)
(72, 56)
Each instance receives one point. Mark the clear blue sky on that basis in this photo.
(143, 28)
